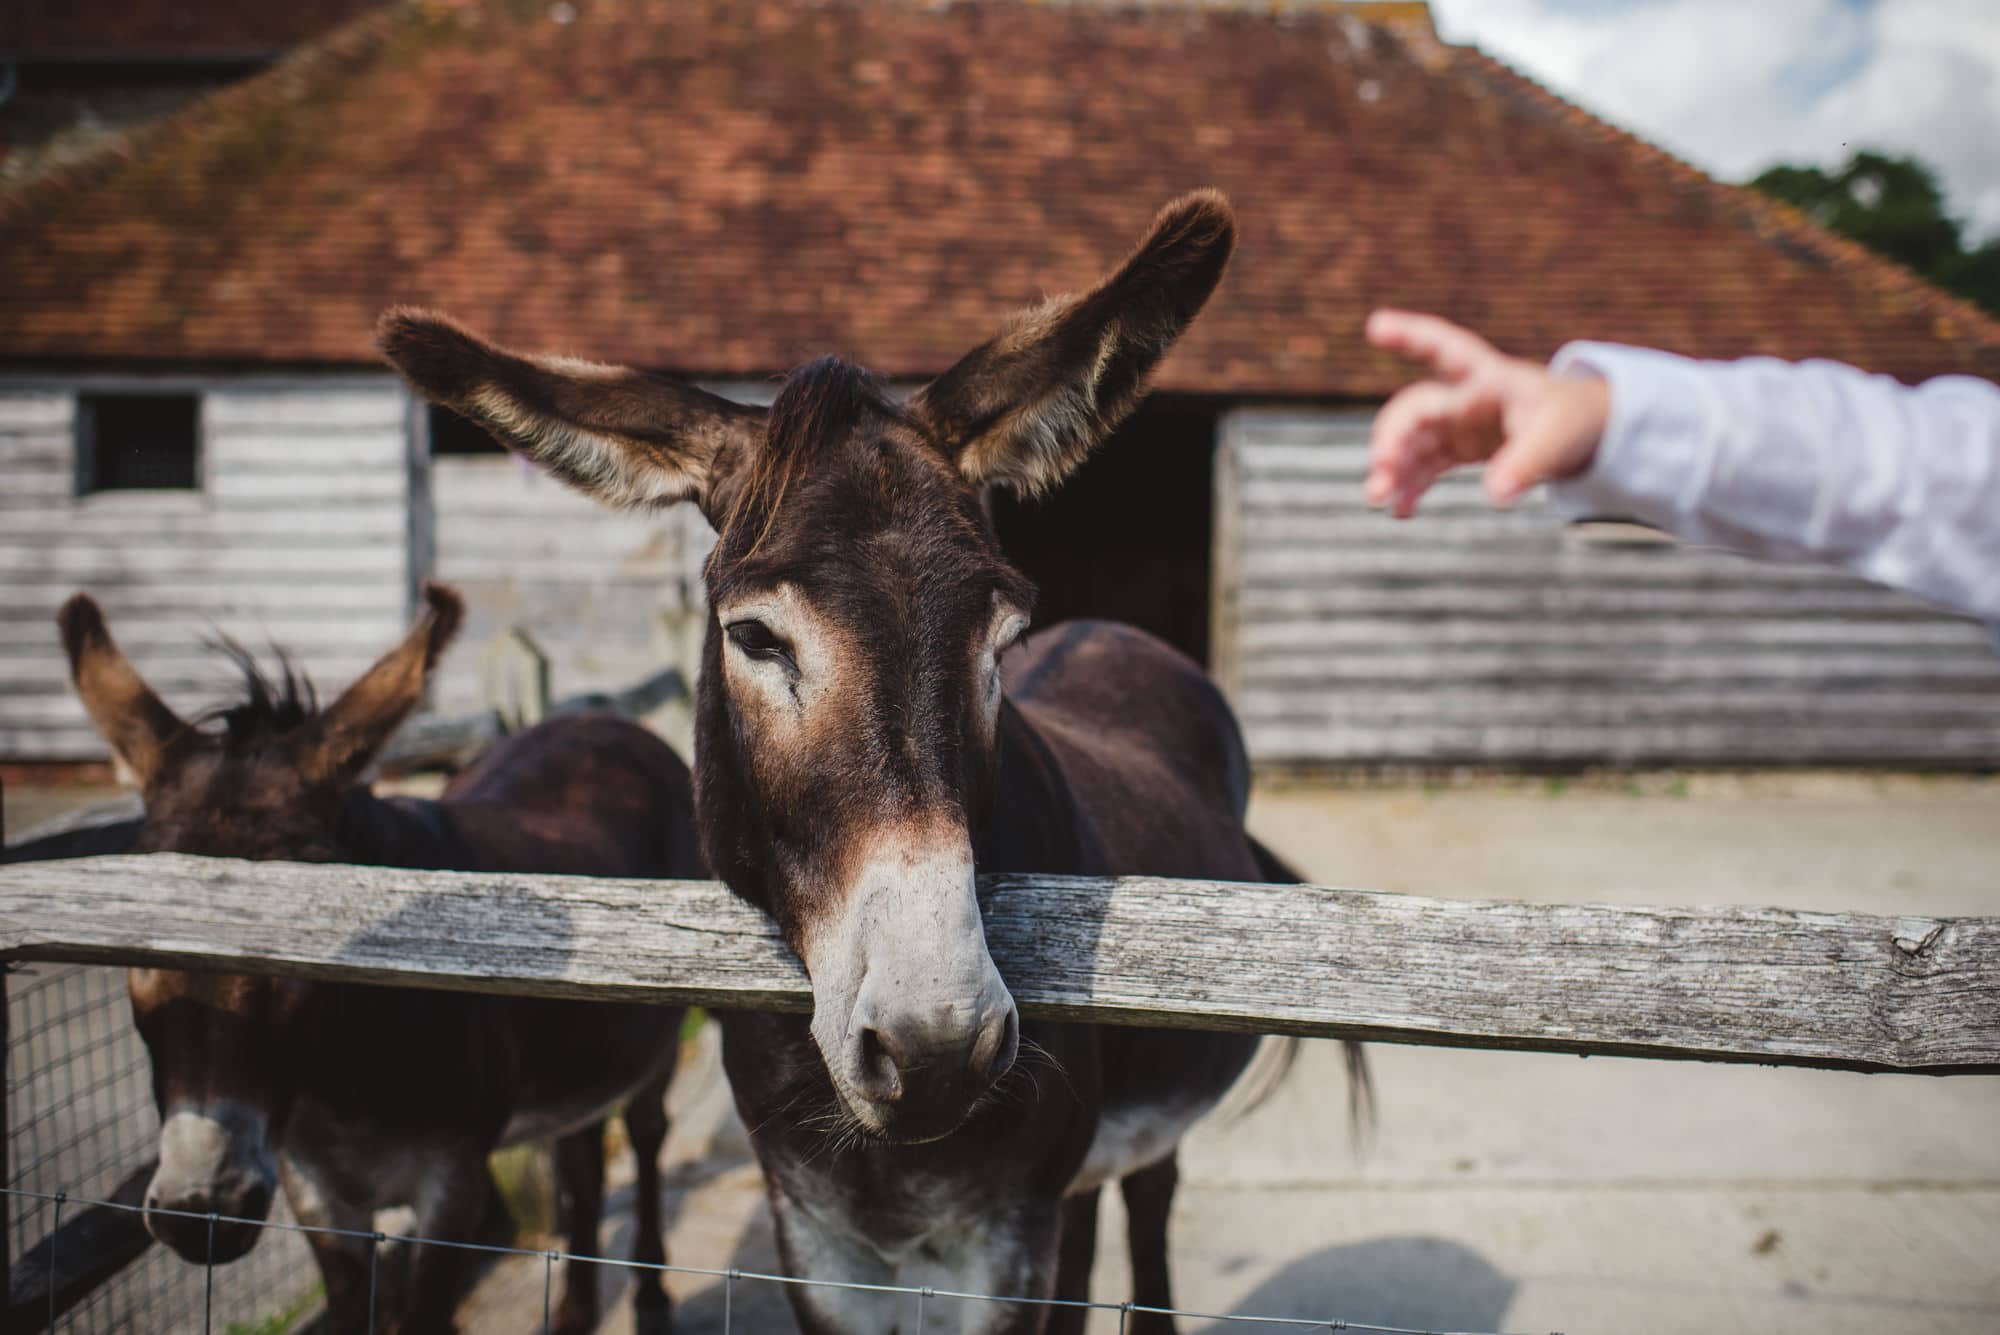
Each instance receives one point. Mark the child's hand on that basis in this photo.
(1482, 405)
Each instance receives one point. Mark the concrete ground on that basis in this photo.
(1527, 1192)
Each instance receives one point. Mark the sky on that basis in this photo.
(1736, 85)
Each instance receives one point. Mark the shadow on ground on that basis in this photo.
(1420, 1283)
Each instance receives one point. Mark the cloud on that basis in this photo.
(1736, 85)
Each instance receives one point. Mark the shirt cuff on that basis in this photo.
(1653, 462)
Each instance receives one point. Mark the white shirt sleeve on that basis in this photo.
(1803, 461)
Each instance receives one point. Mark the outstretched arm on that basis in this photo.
(1811, 460)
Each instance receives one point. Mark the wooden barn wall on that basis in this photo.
(599, 592)
(610, 597)
(296, 534)
(1503, 638)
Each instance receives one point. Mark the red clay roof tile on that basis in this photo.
(727, 188)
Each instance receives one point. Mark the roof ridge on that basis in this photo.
(337, 49)
(1768, 219)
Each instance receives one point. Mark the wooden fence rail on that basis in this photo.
(1725, 984)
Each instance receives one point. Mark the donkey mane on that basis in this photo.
(270, 707)
(819, 405)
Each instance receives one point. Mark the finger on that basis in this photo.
(1419, 481)
(1452, 351)
(1411, 426)
(1414, 450)
(1524, 462)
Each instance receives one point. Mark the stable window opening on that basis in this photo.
(138, 442)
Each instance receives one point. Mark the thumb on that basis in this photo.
(1557, 440)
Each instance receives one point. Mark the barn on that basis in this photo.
(193, 425)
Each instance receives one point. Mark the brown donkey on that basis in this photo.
(872, 729)
(362, 1098)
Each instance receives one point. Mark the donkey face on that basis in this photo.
(269, 785)
(850, 706)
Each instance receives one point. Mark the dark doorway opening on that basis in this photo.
(1126, 538)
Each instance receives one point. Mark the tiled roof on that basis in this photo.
(728, 186)
(140, 29)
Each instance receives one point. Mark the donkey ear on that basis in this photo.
(127, 713)
(367, 713)
(1024, 409)
(623, 436)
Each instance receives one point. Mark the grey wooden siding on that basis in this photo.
(1481, 636)
(606, 595)
(297, 535)
(596, 590)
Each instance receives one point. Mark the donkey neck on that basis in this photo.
(1034, 823)
(399, 832)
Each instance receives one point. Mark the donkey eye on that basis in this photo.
(755, 639)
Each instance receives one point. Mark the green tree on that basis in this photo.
(1975, 275)
(1893, 206)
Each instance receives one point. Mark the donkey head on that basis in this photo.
(850, 708)
(268, 784)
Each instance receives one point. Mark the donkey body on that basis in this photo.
(361, 1098)
(862, 749)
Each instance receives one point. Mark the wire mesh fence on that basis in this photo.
(80, 1120)
(920, 1303)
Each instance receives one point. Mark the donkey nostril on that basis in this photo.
(881, 1072)
(997, 1046)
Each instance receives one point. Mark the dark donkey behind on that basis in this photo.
(363, 1097)
(862, 749)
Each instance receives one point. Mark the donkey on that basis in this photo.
(361, 1098)
(872, 727)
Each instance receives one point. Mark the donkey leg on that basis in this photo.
(1073, 1262)
(345, 1267)
(449, 1205)
(580, 1211)
(1149, 1199)
(646, 1128)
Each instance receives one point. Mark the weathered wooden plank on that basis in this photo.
(1304, 430)
(1733, 984)
(320, 526)
(1696, 740)
(1973, 674)
(1715, 604)
(318, 449)
(1561, 704)
(76, 743)
(1935, 636)
(182, 636)
(249, 596)
(34, 447)
(27, 411)
(237, 486)
(42, 700)
(295, 406)
(330, 561)
(1526, 560)
(26, 492)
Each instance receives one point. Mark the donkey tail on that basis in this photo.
(1285, 1050)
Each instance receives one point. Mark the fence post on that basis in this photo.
(516, 673)
(6, 1135)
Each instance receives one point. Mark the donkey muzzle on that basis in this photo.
(214, 1185)
(909, 1013)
